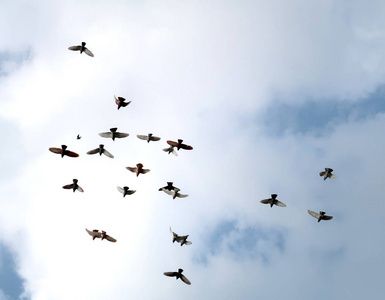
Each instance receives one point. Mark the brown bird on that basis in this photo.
(120, 102)
(178, 275)
(113, 134)
(138, 169)
(74, 186)
(273, 201)
(320, 216)
(101, 151)
(179, 145)
(82, 49)
(125, 191)
(63, 151)
(100, 235)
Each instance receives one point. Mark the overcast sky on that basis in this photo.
(268, 93)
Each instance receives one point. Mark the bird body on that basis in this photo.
(113, 134)
(82, 48)
(100, 235)
(74, 186)
(182, 239)
(179, 145)
(125, 191)
(320, 216)
(327, 174)
(138, 169)
(178, 275)
(120, 102)
(273, 201)
(63, 151)
(101, 150)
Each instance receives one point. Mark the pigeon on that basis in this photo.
(180, 239)
(138, 169)
(78, 137)
(148, 137)
(113, 134)
(101, 151)
(273, 201)
(103, 235)
(63, 151)
(120, 102)
(179, 145)
(178, 275)
(320, 216)
(170, 150)
(174, 193)
(327, 174)
(169, 187)
(74, 186)
(125, 191)
(82, 49)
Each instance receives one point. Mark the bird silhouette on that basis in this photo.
(113, 134)
(179, 145)
(170, 150)
(100, 235)
(178, 275)
(120, 102)
(63, 151)
(182, 239)
(74, 186)
(125, 191)
(273, 201)
(138, 169)
(101, 150)
(320, 216)
(82, 49)
(327, 174)
(148, 137)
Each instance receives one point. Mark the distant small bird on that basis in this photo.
(320, 216)
(170, 150)
(125, 191)
(101, 150)
(113, 134)
(169, 187)
(120, 102)
(273, 201)
(174, 193)
(78, 137)
(74, 186)
(148, 137)
(82, 49)
(138, 169)
(180, 239)
(63, 151)
(179, 145)
(100, 235)
(327, 174)
(178, 275)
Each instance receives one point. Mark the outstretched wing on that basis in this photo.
(131, 192)
(88, 52)
(94, 233)
(266, 201)
(132, 169)
(279, 203)
(181, 195)
(155, 138)
(94, 151)
(106, 134)
(80, 189)
(168, 192)
(184, 279)
(173, 233)
(170, 274)
(120, 189)
(68, 186)
(172, 143)
(313, 214)
(56, 150)
(75, 48)
(144, 171)
(120, 135)
(332, 176)
(322, 173)
(106, 153)
(188, 243)
(71, 154)
(327, 217)
(186, 147)
(110, 238)
(142, 137)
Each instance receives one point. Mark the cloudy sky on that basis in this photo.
(268, 93)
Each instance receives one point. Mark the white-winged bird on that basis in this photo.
(82, 49)
(74, 186)
(273, 201)
(114, 134)
(327, 174)
(125, 191)
(170, 150)
(178, 275)
(101, 151)
(320, 216)
(182, 239)
(63, 151)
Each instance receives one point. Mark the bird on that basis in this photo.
(182, 239)
(120, 102)
(100, 235)
(78, 137)
(169, 187)
(178, 275)
(138, 169)
(101, 150)
(320, 216)
(125, 191)
(113, 134)
(327, 174)
(174, 193)
(63, 151)
(179, 145)
(82, 49)
(148, 137)
(273, 201)
(74, 186)
(170, 150)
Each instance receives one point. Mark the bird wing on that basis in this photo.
(327, 217)
(332, 176)
(68, 186)
(56, 150)
(173, 233)
(181, 195)
(120, 135)
(132, 169)
(120, 189)
(94, 151)
(94, 233)
(110, 238)
(88, 52)
(75, 48)
(313, 214)
(106, 153)
(80, 189)
(170, 274)
(266, 201)
(186, 147)
(322, 173)
(131, 192)
(279, 203)
(154, 138)
(168, 192)
(184, 279)
(106, 134)
(144, 171)
(188, 243)
(142, 137)
(172, 143)
(71, 154)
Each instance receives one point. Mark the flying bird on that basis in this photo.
(320, 216)
(169, 187)
(78, 137)
(82, 49)
(178, 275)
(182, 239)
(179, 145)
(63, 151)
(174, 193)
(100, 235)
(74, 186)
(138, 169)
(273, 201)
(125, 191)
(120, 102)
(101, 150)
(148, 137)
(327, 174)
(113, 134)
(170, 150)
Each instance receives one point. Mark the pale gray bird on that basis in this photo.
(114, 134)
(101, 151)
(174, 193)
(82, 49)
(182, 239)
(320, 216)
(100, 235)
(178, 275)
(120, 102)
(170, 150)
(327, 174)
(148, 137)
(125, 191)
(74, 186)
(138, 169)
(273, 201)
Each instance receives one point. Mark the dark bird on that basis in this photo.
(113, 134)
(273, 201)
(120, 102)
(82, 49)
(170, 150)
(148, 137)
(100, 235)
(169, 187)
(74, 186)
(320, 216)
(178, 275)
(125, 191)
(179, 145)
(182, 239)
(327, 174)
(101, 151)
(78, 137)
(63, 151)
(138, 169)
(174, 193)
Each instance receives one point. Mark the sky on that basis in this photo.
(269, 93)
